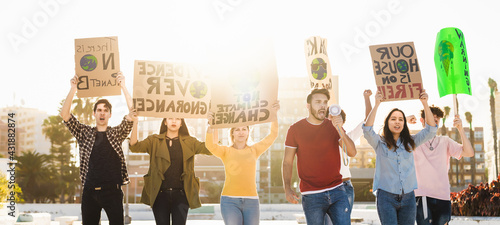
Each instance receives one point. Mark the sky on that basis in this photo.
(37, 43)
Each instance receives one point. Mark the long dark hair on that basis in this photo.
(405, 136)
(183, 130)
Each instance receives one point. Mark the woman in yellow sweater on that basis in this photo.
(239, 198)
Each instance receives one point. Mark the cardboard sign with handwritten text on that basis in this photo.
(165, 89)
(244, 85)
(396, 70)
(97, 63)
(319, 67)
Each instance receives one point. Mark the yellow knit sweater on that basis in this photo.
(240, 164)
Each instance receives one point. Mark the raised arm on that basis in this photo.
(429, 117)
(210, 143)
(287, 168)
(121, 82)
(467, 151)
(371, 118)
(66, 108)
(266, 142)
(368, 105)
(133, 135)
(345, 140)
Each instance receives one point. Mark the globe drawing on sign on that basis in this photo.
(319, 69)
(402, 66)
(88, 62)
(198, 89)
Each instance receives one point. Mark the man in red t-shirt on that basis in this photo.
(315, 141)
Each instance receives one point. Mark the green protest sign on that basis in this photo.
(452, 64)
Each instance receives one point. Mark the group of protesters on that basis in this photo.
(410, 182)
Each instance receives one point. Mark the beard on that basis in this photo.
(316, 116)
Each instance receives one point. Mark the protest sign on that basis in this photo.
(244, 85)
(451, 61)
(396, 69)
(318, 66)
(97, 63)
(175, 90)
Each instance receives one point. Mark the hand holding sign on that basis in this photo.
(133, 115)
(73, 81)
(120, 79)
(424, 97)
(276, 106)
(457, 122)
(379, 98)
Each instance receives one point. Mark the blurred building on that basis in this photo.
(466, 170)
(28, 125)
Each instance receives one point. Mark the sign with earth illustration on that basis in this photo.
(166, 89)
(97, 63)
(318, 66)
(244, 85)
(396, 69)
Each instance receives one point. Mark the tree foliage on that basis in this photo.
(35, 177)
(6, 189)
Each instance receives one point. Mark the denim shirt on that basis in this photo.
(395, 170)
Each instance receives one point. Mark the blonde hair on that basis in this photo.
(231, 137)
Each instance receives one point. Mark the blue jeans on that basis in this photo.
(397, 209)
(239, 211)
(349, 190)
(333, 202)
(438, 211)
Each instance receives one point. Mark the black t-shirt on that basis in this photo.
(104, 163)
(174, 172)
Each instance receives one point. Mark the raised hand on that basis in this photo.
(133, 115)
(457, 122)
(276, 106)
(424, 96)
(74, 81)
(379, 97)
(120, 79)
(411, 119)
(367, 93)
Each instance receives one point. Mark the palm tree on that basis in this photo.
(446, 114)
(61, 139)
(83, 109)
(493, 89)
(34, 174)
(468, 118)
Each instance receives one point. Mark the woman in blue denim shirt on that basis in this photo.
(395, 177)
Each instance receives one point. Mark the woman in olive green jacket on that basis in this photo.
(170, 187)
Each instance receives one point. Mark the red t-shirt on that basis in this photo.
(318, 158)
